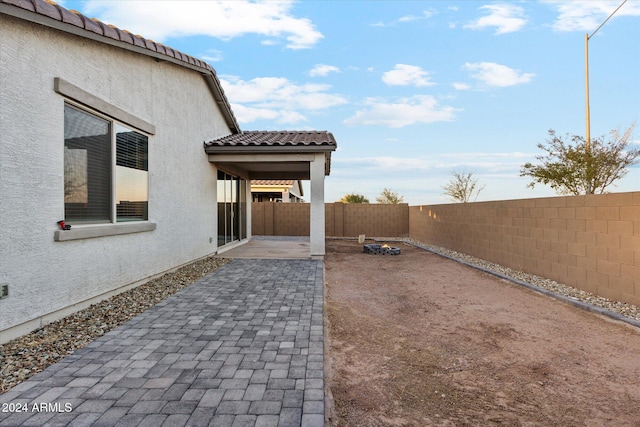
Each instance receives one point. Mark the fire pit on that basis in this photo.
(381, 249)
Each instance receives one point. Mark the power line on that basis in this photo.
(609, 17)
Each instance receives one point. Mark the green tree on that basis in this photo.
(462, 187)
(576, 168)
(354, 198)
(389, 197)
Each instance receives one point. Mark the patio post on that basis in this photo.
(317, 171)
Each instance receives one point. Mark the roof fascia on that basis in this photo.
(218, 95)
(227, 149)
(223, 156)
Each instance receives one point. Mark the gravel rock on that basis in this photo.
(25, 356)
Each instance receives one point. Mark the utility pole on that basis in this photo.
(586, 65)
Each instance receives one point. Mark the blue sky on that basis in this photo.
(412, 90)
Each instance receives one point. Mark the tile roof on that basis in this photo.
(321, 140)
(76, 23)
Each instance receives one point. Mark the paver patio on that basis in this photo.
(242, 346)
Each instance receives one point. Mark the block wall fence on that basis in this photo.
(341, 219)
(588, 242)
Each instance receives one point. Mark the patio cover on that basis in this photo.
(303, 155)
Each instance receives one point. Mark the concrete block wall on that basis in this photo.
(280, 219)
(379, 220)
(588, 242)
(341, 219)
(291, 218)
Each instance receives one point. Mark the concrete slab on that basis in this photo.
(271, 247)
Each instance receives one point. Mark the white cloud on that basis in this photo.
(246, 114)
(493, 74)
(404, 112)
(478, 161)
(323, 70)
(507, 18)
(461, 86)
(276, 98)
(426, 14)
(291, 117)
(279, 91)
(221, 19)
(212, 55)
(420, 178)
(407, 75)
(588, 15)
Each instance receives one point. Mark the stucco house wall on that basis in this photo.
(46, 276)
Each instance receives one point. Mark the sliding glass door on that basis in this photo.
(232, 216)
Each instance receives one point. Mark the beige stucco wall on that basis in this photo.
(45, 276)
(588, 242)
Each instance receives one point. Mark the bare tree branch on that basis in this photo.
(462, 187)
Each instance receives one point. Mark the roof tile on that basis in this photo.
(138, 40)
(170, 52)
(161, 48)
(110, 31)
(151, 45)
(124, 36)
(22, 4)
(48, 9)
(71, 17)
(92, 25)
(276, 139)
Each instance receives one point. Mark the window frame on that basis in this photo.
(89, 104)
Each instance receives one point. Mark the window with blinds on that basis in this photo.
(93, 156)
(132, 175)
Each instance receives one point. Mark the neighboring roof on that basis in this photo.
(278, 182)
(55, 16)
(305, 140)
(289, 183)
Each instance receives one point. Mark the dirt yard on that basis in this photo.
(419, 340)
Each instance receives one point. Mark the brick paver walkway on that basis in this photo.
(241, 347)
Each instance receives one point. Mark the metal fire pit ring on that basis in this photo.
(381, 249)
